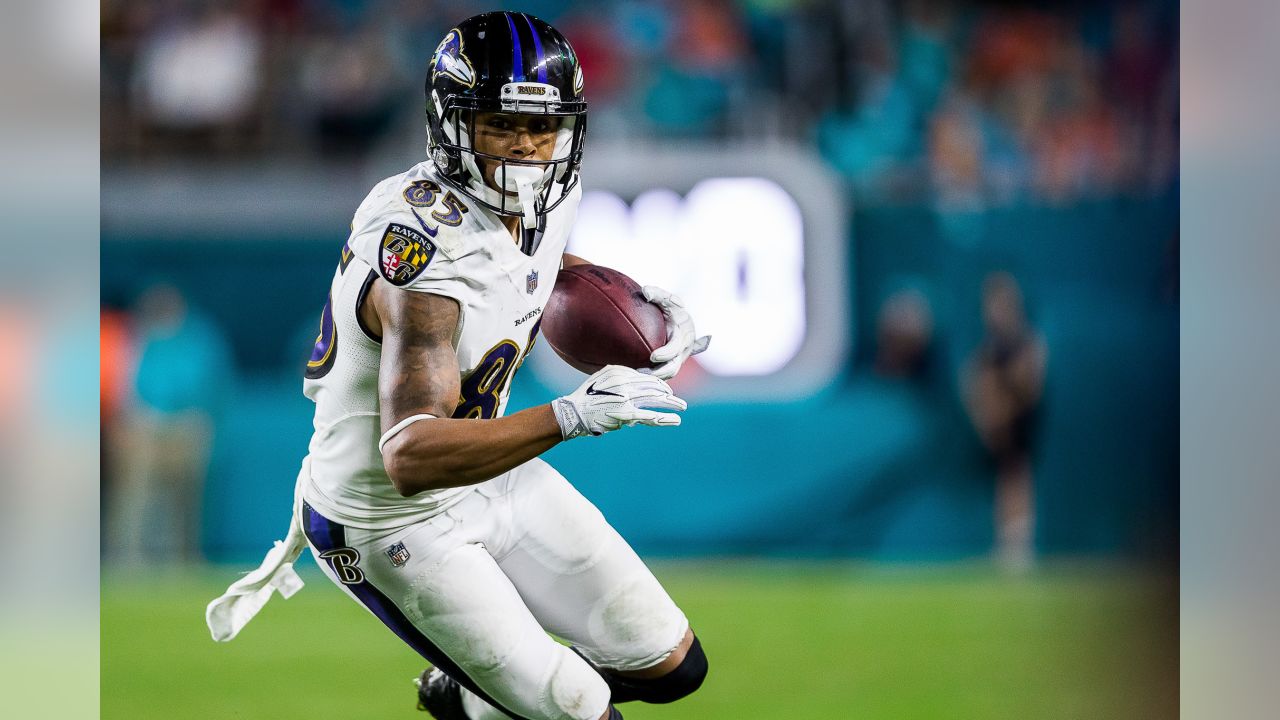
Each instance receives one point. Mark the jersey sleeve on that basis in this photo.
(407, 251)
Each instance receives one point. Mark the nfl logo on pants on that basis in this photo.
(399, 554)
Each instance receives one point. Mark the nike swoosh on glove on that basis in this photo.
(682, 340)
(613, 397)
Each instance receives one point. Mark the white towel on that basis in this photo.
(237, 606)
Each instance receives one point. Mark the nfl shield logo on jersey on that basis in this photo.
(398, 553)
(531, 282)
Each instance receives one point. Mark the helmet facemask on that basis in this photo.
(532, 187)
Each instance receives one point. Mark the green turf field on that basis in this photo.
(785, 640)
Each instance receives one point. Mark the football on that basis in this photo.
(597, 317)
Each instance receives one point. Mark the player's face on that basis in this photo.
(515, 136)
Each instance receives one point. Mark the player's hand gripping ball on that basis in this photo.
(682, 341)
(597, 316)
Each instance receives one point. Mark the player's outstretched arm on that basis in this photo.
(418, 385)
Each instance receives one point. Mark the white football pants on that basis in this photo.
(477, 588)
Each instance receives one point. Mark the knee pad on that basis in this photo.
(680, 682)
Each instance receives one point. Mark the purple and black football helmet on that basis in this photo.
(506, 62)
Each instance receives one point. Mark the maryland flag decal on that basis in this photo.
(405, 253)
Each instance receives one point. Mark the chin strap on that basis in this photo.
(523, 180)
(527, 199)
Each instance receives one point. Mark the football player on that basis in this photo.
(418, 496)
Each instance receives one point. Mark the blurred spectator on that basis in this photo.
(166, 434)
(868, 140)
(115, 362)
(1002, 390)
(1079, 148)
(927, 36)
(197, 78)
(115, 372)
(603, 64)
(957, 155)
(872, 125)
(898, 425)
(1137, 62)
(681, 103)
(704, 52)
(904, 336)
(351, 81)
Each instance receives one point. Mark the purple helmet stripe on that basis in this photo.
(517, 56)
(537, 47)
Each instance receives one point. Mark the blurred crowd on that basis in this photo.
(966, 104)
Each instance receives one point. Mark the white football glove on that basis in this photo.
(682, 341)
(613, 397)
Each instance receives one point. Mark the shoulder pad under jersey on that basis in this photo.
(410, 228)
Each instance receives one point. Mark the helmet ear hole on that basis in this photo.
(443, 160)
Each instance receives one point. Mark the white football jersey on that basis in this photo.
(418, 233)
